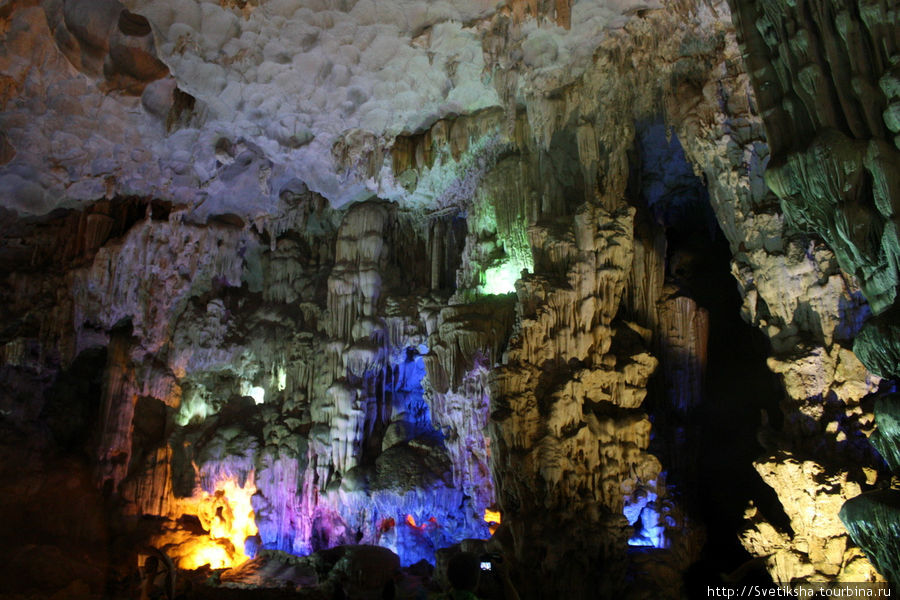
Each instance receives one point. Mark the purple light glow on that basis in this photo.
(412, 490)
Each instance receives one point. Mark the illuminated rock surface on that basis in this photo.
(885, 438)
(826, 82)
(873, 518)
(823, 77)
(296, 280)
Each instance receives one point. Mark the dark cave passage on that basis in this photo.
(55, 521)
(739, 390)
(706, 408)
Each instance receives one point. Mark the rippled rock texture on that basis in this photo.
(826, 79)
(823, 76)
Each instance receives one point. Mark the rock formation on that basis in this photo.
(821, 73)
(301, 278)
(871, 518)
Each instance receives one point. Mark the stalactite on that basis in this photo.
(574, 433)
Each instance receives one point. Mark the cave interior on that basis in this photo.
(317, 298)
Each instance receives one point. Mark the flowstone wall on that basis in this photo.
(824, 74)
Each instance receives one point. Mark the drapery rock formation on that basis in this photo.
(871, 518)
(288, 277)
(823, 77)
(822, 74)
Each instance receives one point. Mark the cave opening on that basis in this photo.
(713, 391)
(73, 404)
(49, 430)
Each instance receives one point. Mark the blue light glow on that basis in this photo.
(413, 518)
(642, 512)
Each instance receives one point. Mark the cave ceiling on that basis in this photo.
(162, 99)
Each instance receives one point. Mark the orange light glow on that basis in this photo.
(431, 523)
(493, 518)
(386, 524)
(227, 517)
(207, 552)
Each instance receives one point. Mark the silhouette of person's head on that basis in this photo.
(463, 571)
(151, 565)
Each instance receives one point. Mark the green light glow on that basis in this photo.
(502, 278)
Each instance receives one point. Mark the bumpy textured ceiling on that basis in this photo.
(265, 91)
